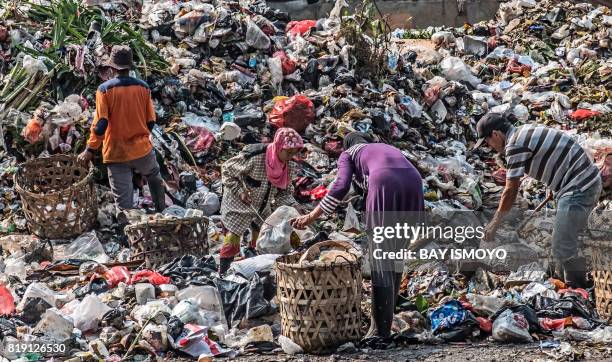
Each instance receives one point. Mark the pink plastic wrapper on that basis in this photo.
(151, 276)
(300, 27)
(7, 303)
(202, 141)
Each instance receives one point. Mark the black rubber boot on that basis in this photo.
(382, 311)
(383, 305)
(224, 265)
(574, 272)
(158, 191)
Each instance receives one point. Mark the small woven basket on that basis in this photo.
(320, 303)
(602, 276)
(159, 241)
(58, 196)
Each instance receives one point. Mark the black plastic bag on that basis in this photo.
(96, 286)
(318, 237)
(33, 309)
(7, 328)
(404, 338)
(114, 318)
(563, 307)
(175, 327)
(190, 270)
(246, 300)
(312, 74)
(260, 347)
(459, 333)
(43, 251)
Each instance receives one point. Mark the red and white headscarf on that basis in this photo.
(277, 170)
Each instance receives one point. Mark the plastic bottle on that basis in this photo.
(186, 311)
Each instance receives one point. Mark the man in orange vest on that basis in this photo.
(122, 128)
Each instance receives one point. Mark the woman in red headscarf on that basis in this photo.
(256, 181)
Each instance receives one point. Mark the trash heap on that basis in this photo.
(224, 75)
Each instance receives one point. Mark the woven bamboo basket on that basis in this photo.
(159, 241)
(320, 303)
(602, 276)
(58, 196)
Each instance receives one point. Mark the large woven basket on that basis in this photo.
(159, 241)
(58, 196)
(319, 303)
(602, 276)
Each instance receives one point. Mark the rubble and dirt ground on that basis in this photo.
(478, 352)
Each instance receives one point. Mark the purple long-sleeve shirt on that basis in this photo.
(375, 166)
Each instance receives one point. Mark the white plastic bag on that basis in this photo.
(34, 65)
(476, 45)
(67, 112)
(275, 233)
(88, 247)
(276, 71)
(37, 290)
(15, 265)
(485, 304)
(229, 131)
(471, 186)
(454, 68)
(534, 288)
(511, 327)
(255, 37)
(521, 112)
(439, 111)
(206, 201)
(208, 300)
(443, 38)
(288, 346)
(193, 120)
(89, 313)
(142, 313)
(336, 13)
(248, 267)
(275, 239)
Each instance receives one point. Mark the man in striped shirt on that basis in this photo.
(554, 158)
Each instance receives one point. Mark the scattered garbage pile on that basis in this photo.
(224, 75)
(524, 306)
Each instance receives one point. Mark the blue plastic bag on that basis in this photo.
(451, 314)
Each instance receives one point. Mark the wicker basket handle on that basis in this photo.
(317, 247)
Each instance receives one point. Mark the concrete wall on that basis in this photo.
(403, 13)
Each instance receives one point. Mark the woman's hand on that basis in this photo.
(302, 222)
